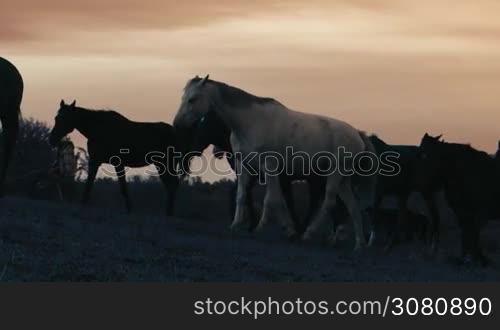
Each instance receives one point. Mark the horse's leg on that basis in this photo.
(471, 239)
(401, 220)
(316, 197)
(245, 183)
(252, 214)
(327, 207)
(232, 199)
(275, 205)
(374, 213)
(430, 199)
(286, 187)
(93, 167)
(340, 215)
(353, 207)
(171, 183)
(5, 161)
(477, 252)
(122, 180)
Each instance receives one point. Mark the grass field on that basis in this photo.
(57, 241)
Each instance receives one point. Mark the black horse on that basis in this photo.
(471, 181)
(11, 94)
(497, 155)
(411, 178)
(113, 139)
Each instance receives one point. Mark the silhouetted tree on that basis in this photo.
(33, 151)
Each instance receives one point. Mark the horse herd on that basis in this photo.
(255, 134)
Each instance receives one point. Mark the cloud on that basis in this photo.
(33, 19)
(127, 26)
(382, 64)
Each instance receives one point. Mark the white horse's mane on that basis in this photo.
(233, 95)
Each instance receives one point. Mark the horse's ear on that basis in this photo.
(73, 104)
(437, 138)
(426, 135)
(204, 81)
(62, 103)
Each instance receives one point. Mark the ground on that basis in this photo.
(53, 241)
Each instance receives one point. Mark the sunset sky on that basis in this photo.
(398, 68)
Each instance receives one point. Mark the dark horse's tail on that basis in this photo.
(11, 93)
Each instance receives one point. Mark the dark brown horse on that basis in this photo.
(471, 181)
(11, 94)
(113, 139)
(497, 155)
(412, 177)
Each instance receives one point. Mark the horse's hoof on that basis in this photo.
(359, 247)
(480, 261)
(485, 262)
(333, 241)
(252, 228)
(259, 228)
(466, 260)
(235, 226)
(293, 236)
(306, 237)
(371, 239)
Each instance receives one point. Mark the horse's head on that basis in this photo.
(64, 122)
(193, 141)
(189, 122)
(430, 144)
(210, 129)
(195, 103)
(429, 161)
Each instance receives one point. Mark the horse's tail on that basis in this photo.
(365, 179)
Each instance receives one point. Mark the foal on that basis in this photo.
(115, 140)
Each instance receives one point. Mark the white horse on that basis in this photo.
(264, 127)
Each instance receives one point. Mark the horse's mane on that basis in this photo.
(235, 96)
(375, 139)
(106, 114)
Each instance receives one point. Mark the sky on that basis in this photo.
(397, 68)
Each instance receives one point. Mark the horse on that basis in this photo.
(497, 155)
(262, 130)
(471, 182)
(212, 131)
(116, 140)
(11, 94)
(410, 178)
